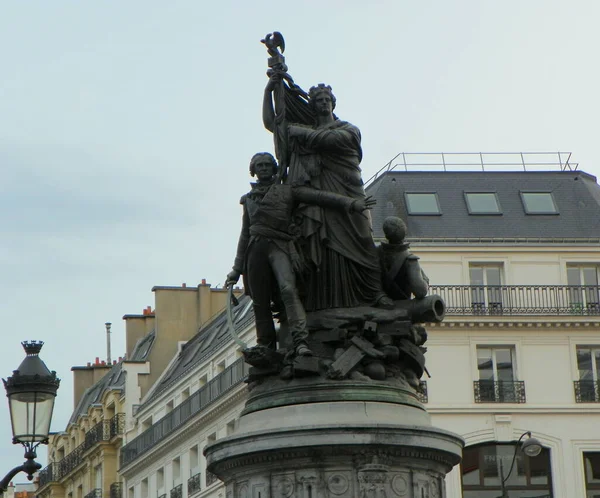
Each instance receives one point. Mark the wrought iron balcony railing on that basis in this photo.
(586, 391)
(116, 490)
(210, 478)
(46, 475)
(177, 491)
(510, 300)
(94, 493)
(116, 425)
(194, 484)
(489, 391)
(104, 430)
(206, 395)
(422, 392)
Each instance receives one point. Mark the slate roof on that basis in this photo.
(576, 194)
(114, 379)
(203, 345)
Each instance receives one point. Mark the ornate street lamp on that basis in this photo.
(31, 391)
(531, 447)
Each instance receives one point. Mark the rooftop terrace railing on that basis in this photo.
(206, 395)
(511, 300)
(477, 161)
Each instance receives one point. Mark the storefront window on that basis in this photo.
(485, 467)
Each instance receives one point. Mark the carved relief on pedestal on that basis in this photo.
(242, 490)
(428, 486)
(283, 486)
(309, 484)
(260, 490)
(338, 484)
(400, 484)
(373, 479)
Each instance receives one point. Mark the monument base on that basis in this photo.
(339, 449)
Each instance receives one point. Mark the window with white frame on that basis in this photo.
(486, 287)
(144, 488)
(176, 467)
(582, 281)
(194, 460)
(587, 388)
(497, 376)
(591, 466)
(160, 482)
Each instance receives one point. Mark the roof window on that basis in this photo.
(538, 203)
(482, 203)
(423, 203)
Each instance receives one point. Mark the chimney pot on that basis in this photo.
(203, 281)
(97, 360)
(184, 285)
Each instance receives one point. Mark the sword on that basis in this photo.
(233, 301)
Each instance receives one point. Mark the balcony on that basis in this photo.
(46, 475)
(94, 493)
(586, 391)
(210, 478)
(194, 484)
(489, 391)
(512, 300)
(176, 492)
(116, 490)
(104, 430)
(179, 416)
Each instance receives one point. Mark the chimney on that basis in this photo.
(108, 324)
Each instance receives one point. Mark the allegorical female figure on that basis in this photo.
(324, 152)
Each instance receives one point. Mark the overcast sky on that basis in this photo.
(126, 128)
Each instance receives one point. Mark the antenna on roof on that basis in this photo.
(108, 360)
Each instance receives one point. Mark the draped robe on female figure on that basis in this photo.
(338, 246)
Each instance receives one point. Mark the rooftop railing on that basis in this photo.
(477, 161)
(206, 395)
(511, 300)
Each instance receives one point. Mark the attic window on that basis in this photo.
(482, 203)
(423, 203)
(538, 203)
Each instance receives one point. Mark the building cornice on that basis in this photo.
(582, 409)
(520, 322)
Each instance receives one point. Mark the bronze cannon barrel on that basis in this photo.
(430, 309)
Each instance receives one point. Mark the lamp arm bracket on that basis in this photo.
(30, 467)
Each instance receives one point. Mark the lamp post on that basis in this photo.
(31, 391)
(531, 447)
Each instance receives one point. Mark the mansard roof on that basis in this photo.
(209, 339)
(576, 195)
(113, 380)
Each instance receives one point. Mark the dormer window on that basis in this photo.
(538, 203)
(482, 203)
(423, 203)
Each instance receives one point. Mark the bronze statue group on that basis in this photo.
(306, 242)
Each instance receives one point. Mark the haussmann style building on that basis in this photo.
(516, 256)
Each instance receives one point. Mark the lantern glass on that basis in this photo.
(31, 413)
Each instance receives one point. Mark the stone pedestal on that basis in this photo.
(342, 443)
